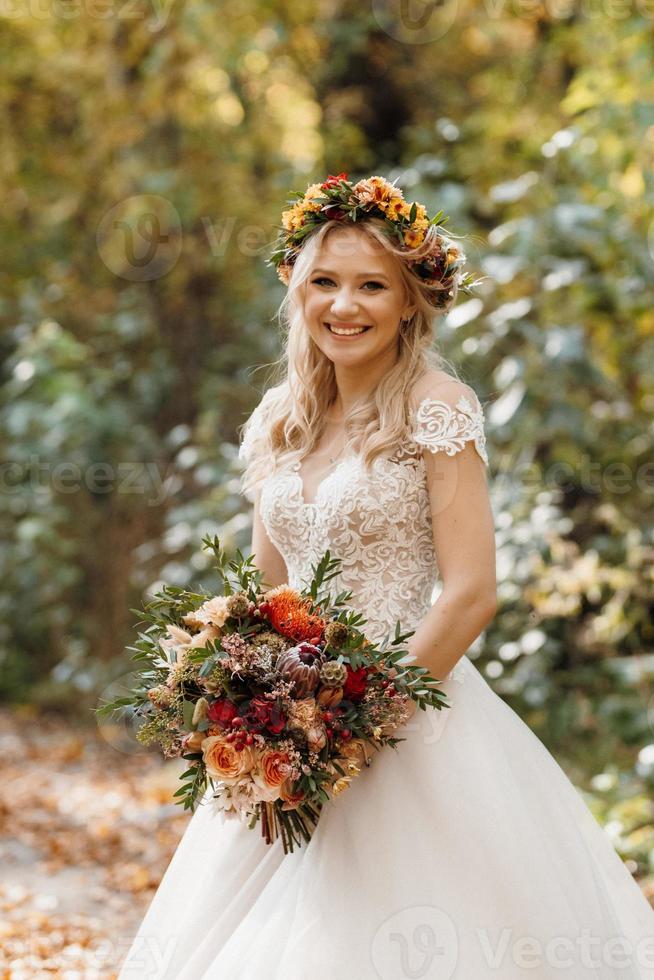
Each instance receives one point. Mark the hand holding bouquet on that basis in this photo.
(275, 696)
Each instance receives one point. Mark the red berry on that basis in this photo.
(249, 738)
(329, 730)
(237, 720)
(346, 733)
(328, 715)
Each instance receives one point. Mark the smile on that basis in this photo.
(353, 331)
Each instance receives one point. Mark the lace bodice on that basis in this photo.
(379, 525)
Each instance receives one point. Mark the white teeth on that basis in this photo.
(346, 333)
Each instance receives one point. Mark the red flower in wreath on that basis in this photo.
(333, 212)
(333, 181)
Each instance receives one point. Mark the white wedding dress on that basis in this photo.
(464, 854)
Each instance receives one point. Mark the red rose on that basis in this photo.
(333, 181)
(262, 714)
(221, 712)
(355, 683)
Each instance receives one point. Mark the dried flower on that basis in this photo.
(335, 634)
(302, 664)
(176, 641)
(290, 614)
(329, 697)
(356, 750)
(303, 716)
(200, 710)
(238, 604)
(333, 673)
(161, 696)
(192, 742)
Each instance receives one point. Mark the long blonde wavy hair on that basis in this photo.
(302, 385)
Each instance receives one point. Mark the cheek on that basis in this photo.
(314, 303)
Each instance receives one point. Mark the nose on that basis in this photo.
(344, 304)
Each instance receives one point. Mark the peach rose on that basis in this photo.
(271, 769)
(223, 760)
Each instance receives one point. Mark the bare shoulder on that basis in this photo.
(436, 384)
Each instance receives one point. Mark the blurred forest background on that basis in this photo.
(147, 154)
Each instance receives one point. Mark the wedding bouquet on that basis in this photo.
(275, 697)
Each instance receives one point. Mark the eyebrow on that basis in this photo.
(364, 275)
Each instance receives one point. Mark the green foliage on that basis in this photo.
(533, 134)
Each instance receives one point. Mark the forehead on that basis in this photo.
(349, 250)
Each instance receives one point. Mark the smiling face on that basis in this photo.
(355, 283)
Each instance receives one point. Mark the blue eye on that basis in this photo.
(370, 282)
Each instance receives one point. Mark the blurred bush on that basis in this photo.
(145, 166)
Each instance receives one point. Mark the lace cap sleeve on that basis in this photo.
(448, 424)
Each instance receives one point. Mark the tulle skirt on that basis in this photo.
(464, 854)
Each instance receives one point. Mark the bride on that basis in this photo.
(466, 853)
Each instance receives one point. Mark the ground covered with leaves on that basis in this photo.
(87, 829)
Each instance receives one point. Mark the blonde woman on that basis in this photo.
(466, 854)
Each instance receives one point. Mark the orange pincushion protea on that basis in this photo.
(289, 614)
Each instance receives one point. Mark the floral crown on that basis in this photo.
(338, 199)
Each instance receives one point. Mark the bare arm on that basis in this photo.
(464, 543)
(464, 540)
(266, 556)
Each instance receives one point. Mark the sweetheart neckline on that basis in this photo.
(463, 404)
(295, 472)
